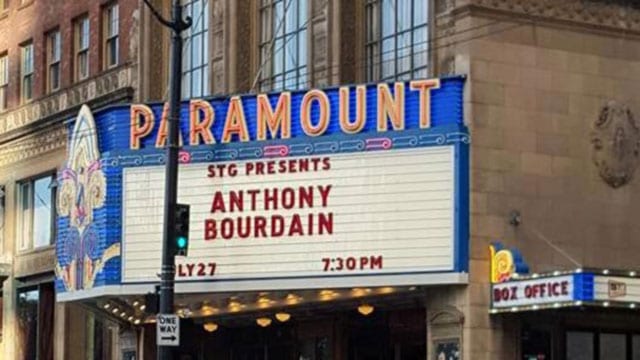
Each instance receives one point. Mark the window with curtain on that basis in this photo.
(397, 36)
(195, 56)
(283, 45)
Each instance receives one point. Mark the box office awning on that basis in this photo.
(513, 289)
(565, 289)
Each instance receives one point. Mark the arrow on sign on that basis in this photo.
(171, 338)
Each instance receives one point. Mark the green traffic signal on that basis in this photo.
(181, 234)
(182, 242)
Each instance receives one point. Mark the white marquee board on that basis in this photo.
(392, 212)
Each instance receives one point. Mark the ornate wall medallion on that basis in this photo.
(616, 144)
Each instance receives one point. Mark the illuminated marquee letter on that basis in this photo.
(305, 113)
(267, 118)
(200, 127)
(235, 122)
(140, 129)
(390, 108)
(425, 87)
(346, 125)
(163, 131)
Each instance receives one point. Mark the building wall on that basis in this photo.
(34, 19)
(33, 136)
(539, 77)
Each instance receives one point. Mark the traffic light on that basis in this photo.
(152, 301)
(181, 236)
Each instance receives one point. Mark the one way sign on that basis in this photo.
(168, 330)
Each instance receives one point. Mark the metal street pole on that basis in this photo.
(168, 270)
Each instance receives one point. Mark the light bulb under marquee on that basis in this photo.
(293, 299)
(210, 326)
(365, 309)
(283, 316)
(264, 302)
(207, 310)
(234, 306)
(263, 321)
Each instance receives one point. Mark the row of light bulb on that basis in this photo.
(122, 313)
(264, 321)
(210, 326)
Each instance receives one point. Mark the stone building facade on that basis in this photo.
(546, 79)
(552, 106)
(54, 56)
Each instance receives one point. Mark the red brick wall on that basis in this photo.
(34, 19)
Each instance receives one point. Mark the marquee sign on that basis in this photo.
(352, 186)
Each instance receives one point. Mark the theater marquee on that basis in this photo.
(352, 186)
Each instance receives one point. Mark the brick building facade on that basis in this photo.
(51, 64)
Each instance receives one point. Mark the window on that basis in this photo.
(579, 345)
(26, 72)
(81, 39)
(635, 343)
(98, 338)
(110, 36)
(35, 306)
(397, 39)
(53, 60)
(28, 323)
(4, 80)
(2, 212)
(35, 212)
(283, 45)
(195, 63)
(1, 310)
(613, 346)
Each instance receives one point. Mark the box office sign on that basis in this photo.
(592, 287)
(324, 184)
(533, 291)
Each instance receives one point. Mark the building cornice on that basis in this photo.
(38, 128)
(108, 88)
(612, 15)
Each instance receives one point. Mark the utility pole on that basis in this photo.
(168, 270)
